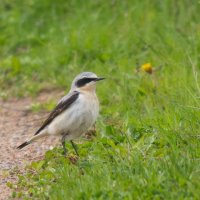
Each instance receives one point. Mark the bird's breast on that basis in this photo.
(90, 107)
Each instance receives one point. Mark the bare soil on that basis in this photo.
(17, 123)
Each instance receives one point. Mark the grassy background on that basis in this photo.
(148, 142)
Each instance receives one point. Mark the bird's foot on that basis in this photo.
(75, 147)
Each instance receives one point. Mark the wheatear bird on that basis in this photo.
(74, 114)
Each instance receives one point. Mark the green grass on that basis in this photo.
(148, 143)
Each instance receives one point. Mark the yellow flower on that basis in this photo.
(147, 67)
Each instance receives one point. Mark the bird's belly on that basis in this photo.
(76, 120)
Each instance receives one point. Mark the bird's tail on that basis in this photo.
(23, 145)
(35, 137)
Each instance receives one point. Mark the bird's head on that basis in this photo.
(85, 81)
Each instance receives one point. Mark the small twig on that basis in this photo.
(185, 106)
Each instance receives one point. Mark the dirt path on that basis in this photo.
(17, 123)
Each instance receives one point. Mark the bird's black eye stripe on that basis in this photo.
(84, 81)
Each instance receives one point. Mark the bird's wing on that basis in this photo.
(62, 105)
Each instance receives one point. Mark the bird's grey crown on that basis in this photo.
(82, 75)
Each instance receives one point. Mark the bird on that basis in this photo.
(74, 114)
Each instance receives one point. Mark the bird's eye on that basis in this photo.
(84, 81)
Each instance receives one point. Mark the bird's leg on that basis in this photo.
(75, 147)
(64, 147)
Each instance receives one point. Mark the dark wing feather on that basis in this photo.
(62, 105)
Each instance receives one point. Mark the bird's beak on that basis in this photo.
(99, 79)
